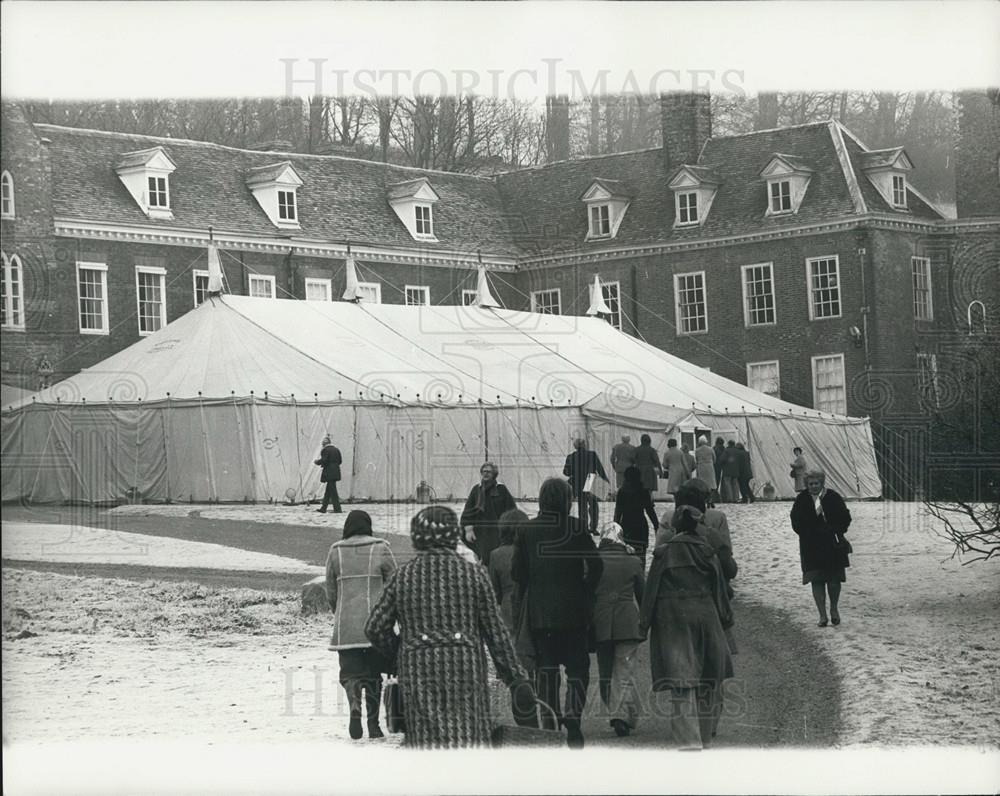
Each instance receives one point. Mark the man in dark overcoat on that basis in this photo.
(580, 464)
(622, 457)
(330, 460)
(486, 502)
(557, 568)
(746, 473)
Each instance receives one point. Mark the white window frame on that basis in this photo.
(925, 275)
(162, 274)
(294, 206)
(536, 295)
(102, 269)
(782, 195)
(313, 281)
(7, 209)
(680, 208)
(165, 192)
(469, 298)
(196, 274)
(268, 278)
(747, 313)
(422, 290)
(429, 221)
(809, 288)
(600, 216)
(929, 371)
(11, 265)
(843, 373)
(678, 321)
(777, 375)
(901, 192)
(374, 287)
(616, 314)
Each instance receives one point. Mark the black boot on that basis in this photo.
(354, 727)
(373, 698)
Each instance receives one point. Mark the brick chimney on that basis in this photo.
(557, 128)
(977, 184)
(686, 122)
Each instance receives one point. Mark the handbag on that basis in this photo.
(841, 544)
(513, 735)
(393, 700)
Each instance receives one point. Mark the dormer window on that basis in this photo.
(886, 169)
(413, 203)
(286, 206)
(898, 190)
(275, 188)
(781, 196)
(687, 207)
(600, 221)
(606, 201)
(146, 176)
(423, 221)
(694, 190)
(158, 192)
(787, 178)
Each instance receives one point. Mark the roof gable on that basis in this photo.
(781, 165)
(688, 176)
(602, 189)
(413, 190)
(894, 158)
(283, 174)
(155, 158)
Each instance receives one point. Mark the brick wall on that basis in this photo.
(28, 237)
(647, 286)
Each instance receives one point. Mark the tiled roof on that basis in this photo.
(880, 158)
(261, 175)
(342, 199)
(797, 163)
(549, 221)
(528, 212)
(131, 159)
(614, 187)
(704, 174)
(404, 190)
(874, 200)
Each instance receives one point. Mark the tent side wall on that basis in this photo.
(234, 451)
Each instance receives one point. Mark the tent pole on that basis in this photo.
(166, 450)
(486, 437)
(298, 446)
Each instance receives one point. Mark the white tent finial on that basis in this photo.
(214, 269)
(483, 296)
(598, 306)
(351, 291)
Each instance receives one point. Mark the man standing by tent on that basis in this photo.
(746, 473)
(330, 460)
(487, 501)
(580, 465)
(622, 457)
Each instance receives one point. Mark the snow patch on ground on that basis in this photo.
(83, 545)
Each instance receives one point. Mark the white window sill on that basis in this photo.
(686, 224)
(287, 225)
(759, 325)
(161, 213)
(772, 213)
(426, 238)
(7, 327)
(94, 331)
(591, 236)
(8, 217)
(826, 318)
(691, 334)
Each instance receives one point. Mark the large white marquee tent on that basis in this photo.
(230, 403)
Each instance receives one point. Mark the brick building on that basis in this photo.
(795, 260)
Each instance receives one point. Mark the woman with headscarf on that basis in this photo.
(633, 504)
(446, 609)
(648, 462)
(616, 627)
(821, 518)
(357, 567)
(686, 607)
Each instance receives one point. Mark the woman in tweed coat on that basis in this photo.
(446, 609)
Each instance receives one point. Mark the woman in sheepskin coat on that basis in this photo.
(357, 567)
(446, 610)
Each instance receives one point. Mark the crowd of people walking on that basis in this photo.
(538, 595)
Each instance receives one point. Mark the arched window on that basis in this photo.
(6, 195)
(12, 299)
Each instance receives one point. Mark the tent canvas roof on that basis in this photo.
(438, 355)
